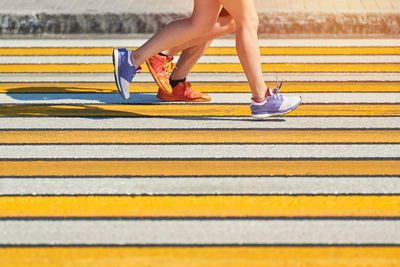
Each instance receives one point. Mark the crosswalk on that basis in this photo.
(89, 179)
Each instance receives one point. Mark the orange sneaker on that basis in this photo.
(184, 92)
(160, 67)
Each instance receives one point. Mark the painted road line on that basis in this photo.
(199, 186)
(216, 98)
(321, 51)
(120, 110)
(220, 87)
(192, 136)
(201, 77)
(204, 60)
(107, 51)
(207, 232)
(215, 68)
(208, 256)
(197, 168)
(199, 123)
(200, 206)
(138, 41)
(209, 151)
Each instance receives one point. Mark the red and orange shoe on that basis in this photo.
(160, 67)
(184, 92)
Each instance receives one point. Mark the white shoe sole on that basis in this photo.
(116, 73)
(267, 115)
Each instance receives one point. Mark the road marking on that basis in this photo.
(210, 151)
(311, 51)
(205, 59)
(199, 186)
(208, 256)
(225, 87)
(200, 206)
(216, 98)
(201, 123)
(201, 168)
(119, 110)
(207, 232)
(135, 42)
(91, 51)
(270, 67)
(357, 196)
(191, 136)
(201, 77)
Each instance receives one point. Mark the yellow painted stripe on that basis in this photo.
(199, 206)
(245, 136)
(200, 256)
(211, 51)
(204, 87)
(200, 168)
(272, 67)
(191, 110)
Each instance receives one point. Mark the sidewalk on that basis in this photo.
(339, 17)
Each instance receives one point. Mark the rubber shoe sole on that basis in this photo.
(264, 116)
(116, 74)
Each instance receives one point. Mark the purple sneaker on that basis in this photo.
(274, 104)
(123, 71)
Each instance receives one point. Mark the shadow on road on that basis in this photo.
(106, 97)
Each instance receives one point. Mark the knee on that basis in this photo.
(248, 22)
(199, 27)
(231, 26)
(227, 23)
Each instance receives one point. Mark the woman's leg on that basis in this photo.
(203, 19)
(224, 25)
(245, 15)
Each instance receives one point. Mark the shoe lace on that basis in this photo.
(169, 66)
(188, 88)
(275, 94)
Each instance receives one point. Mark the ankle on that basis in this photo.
(174, 83)
(163, 54)
(133, 60)
(255, 101)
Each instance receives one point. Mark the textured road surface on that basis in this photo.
(88, 179)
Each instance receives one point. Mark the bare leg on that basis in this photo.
(192, 50)
(224, 25)
(187, 60)
(204, 17)
(246, 20)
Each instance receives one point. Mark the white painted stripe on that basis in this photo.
(306, 59)
(199, 185)
(313, 42)
(311, 98)
(200, 232)
(216, 43)
(185, 151)
(198, 77)
(204, 59)
(217, 98)
(201, 122)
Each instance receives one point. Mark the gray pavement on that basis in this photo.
(203, 151)
(201, 231)
(310, 17)
(198, 185)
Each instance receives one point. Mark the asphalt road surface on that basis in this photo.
(89, 179)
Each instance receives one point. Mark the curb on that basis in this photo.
(270, 22)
